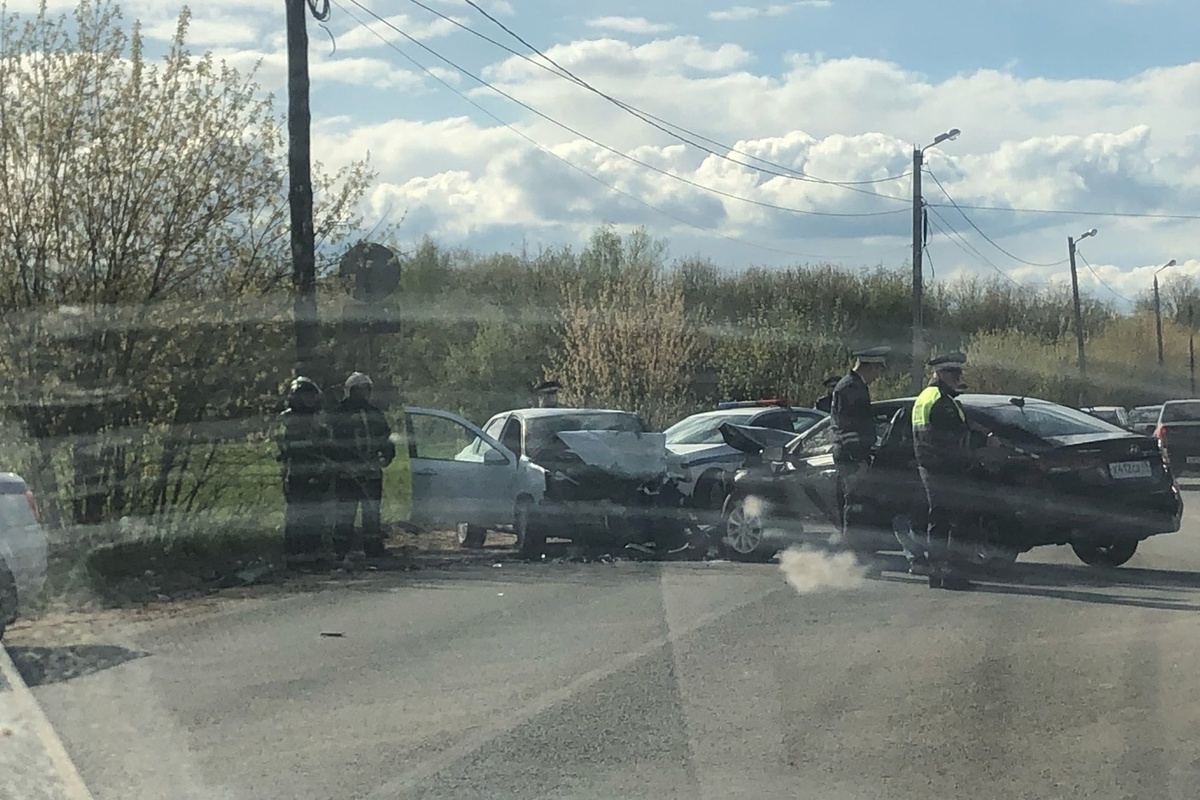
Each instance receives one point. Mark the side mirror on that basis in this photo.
(494, 456)
(772, 454)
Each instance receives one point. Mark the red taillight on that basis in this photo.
(29, 498)
(1160, 433)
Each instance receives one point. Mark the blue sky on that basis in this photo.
(1064, 105)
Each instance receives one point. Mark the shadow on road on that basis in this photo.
(44, 665)
(1068, 582)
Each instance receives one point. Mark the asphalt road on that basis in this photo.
(686, 680)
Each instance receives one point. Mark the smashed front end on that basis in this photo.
(618, 487)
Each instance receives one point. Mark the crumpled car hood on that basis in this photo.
(622, 453)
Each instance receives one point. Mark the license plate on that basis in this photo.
(1129, 469)
(1193, 459)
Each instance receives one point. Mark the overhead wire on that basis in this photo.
(654, 121)
(613, 150)
(1078, 213)
(566, 161)
(987, 238)
(1100, 280)
(959, 240)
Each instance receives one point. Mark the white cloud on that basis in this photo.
(738, 13)
(376, 33)
(629, 25)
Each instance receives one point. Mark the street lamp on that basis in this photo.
(1158, 310)
(1071, 242)
(918, 247)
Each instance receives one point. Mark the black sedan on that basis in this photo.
(1044, 474)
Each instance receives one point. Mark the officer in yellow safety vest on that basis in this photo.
(941, 444)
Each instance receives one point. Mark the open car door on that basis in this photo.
(459, 473)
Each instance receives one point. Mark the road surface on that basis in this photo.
(633, 680)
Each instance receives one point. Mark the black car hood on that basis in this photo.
(752, 440)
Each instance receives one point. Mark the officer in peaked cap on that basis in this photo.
(941, 444)
(854, 432)
(825, 401)
(547, 394)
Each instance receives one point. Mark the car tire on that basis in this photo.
(531, 536)
(742, 534)
(1112, 554)
(471, 537)
(9, 604)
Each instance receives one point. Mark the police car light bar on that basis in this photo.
(751, 403)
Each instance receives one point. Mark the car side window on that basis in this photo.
(818, 444)
(511, 437)
(778, 420)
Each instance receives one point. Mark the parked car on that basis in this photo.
(1117, 415)
(1178, 434)
(710, 463)
(597, 475)
(22, 549)
(1144, 419)
(1047, 474)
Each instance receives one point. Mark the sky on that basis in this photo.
(760, 134)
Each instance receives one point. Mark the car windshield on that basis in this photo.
(1144, 415)
(1181, 412)
(704, 428)
(1107, 414)
(1046, 420)
(542, 432)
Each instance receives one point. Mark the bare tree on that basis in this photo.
(143, 250)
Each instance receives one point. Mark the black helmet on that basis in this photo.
(304, 395)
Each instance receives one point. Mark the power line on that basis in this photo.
(984, 235)
(613, 150)
(1101, 281)
(570, 164)
(967, 247)
(1077, 213)
(654, 121)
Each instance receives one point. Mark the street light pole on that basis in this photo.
(1158, 310)
(1081, 358)
(918, 251)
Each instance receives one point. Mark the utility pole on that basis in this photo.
(300, 193)
(1078, 319)
(1191, 352)
(918, 251)
(1158, 321)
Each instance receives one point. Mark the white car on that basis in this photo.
(518, 472)
(22, 549)
(710, 463)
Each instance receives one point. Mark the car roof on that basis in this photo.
(541, 413)
(1174, 402)
(750, 411)
(971, 399)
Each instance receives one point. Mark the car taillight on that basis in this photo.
(1160, 433)
(29, 498)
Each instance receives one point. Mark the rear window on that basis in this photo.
(1181, 412)
(1144, 414)
(1044, 420)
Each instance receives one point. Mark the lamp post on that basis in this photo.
(918, 245)
(1158, 310)
(1082, 360)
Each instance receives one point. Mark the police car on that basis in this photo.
(710, 463)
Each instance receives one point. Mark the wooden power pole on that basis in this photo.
(300, 192)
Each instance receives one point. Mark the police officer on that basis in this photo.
(941, 444)
(547, 394)
(825, 401)
(362, 437)
(854, 431)
(304, 442)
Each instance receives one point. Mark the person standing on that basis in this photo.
(825, 401)
(854, 433)
(364, 446)
(941, 444)
(305, 448)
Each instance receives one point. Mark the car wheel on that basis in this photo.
(531, 538)
(1112, 554)
(744, 537)
(8, 598)
(471, 537)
